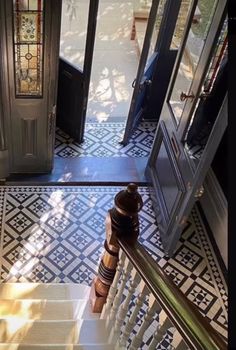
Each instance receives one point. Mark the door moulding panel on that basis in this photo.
(29, 137)
(162, 154)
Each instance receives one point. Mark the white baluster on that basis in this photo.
(138, 338)
(132, 320)
(110, 322)
(164, 324)
(124, 308)
(178, 342)
(113, 288)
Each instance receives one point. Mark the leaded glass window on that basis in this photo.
(28, 47)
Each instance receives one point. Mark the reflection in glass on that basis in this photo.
(74, 22)
(28, 47)
(209, 103)
(141, 15)
(181, 23)
(191, 55)
(159, 16)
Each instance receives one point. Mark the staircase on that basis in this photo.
(51, 316)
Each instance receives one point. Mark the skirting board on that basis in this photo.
(215, 207)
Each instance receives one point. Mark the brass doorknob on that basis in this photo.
(184, 96)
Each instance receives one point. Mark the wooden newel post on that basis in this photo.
(121, 221)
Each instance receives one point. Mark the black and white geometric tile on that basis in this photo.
(102, 140)
(56, 234)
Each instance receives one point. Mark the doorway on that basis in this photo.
(123, 62)
(114, 68)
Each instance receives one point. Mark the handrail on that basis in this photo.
(195, 329)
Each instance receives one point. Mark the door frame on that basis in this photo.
(4, 97)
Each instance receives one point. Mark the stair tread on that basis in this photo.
(17, 346)
(50, 291)
(53, 332)
(35, 309)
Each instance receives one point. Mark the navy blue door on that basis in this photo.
(144, 76)
(138, 100)
(73, 84)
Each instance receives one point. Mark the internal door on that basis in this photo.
(174, 170)
(29, 37)
(77, 36)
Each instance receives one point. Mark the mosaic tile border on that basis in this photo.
(103, 140)
(217, 275)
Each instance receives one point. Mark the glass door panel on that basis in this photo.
(191, 56)
(201, 123)
(155, 33)
(74, 31)
(141, 15)
(28, 47)
(181, 24)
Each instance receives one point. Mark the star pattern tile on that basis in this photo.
(56, 234)
(103, 140)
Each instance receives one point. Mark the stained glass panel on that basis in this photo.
(28, 47)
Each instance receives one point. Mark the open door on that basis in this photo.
(153, 53)
(197, 96)
(143, 78)
(73, 83)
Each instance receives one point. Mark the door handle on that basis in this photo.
(184, 96)
(144, 82)
(199, 192)
(148, 82)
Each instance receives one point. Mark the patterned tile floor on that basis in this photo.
(56, 234)
(102, 140)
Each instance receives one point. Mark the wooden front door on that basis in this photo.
(74, 78)
(181, 157)
(30, 34)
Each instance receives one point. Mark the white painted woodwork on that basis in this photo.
(148, 318)
(48, 291)
(163, 326)
(132, 320)
(34, 309)
(116, 303)
(49, 316)
(55, 347)
(124, 308)
(53, 332)
(113, 288)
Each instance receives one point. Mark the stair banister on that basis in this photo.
(194, 328)
(121, 220)
(132, 266)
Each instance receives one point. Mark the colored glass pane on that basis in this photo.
(28, 47)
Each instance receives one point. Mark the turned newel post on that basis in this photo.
(121, 221)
